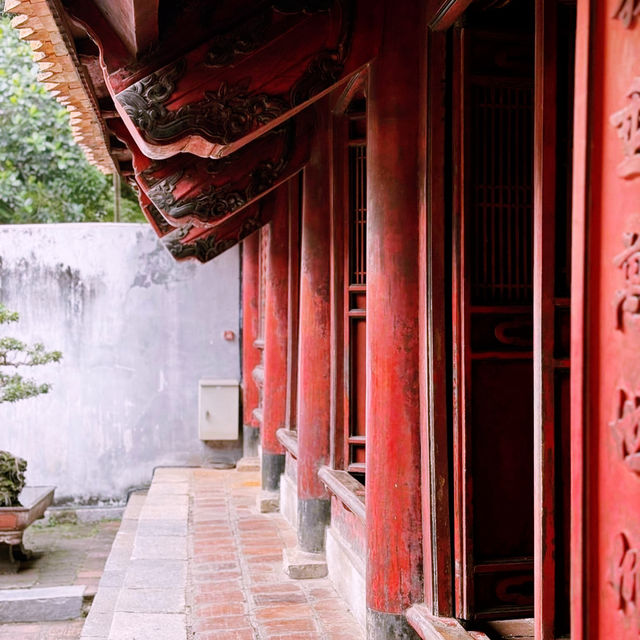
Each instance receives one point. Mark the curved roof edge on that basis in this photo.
(39, 23)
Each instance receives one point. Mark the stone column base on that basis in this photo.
(302, 565)
(268, 501)
(250, 441)
(382, 626)
(248, 464)
(272, 469)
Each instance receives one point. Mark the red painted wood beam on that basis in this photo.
(441, 14)
(395, 175)
(250, 354)
(275, 338)
(314, 345)
(135, 22)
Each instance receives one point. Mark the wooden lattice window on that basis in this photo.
(355, 290)
(502, 194)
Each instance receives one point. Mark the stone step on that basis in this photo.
(100, 617)
(150, 604)
(41, 604)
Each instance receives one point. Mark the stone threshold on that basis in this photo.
(430, 627)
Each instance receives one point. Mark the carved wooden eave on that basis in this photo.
(42, 25)
(206, 107)
(190, 242)
(217, 96)
(204, 192)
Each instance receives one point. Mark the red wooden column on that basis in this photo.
(394, 179)
(274, 392)
(314, 345)
(250, 355)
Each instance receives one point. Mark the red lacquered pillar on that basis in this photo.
(314, 344)
(250, 355)
(394, 179)
(274, 403)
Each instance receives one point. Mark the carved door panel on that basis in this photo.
(606, 323)
(492, 324)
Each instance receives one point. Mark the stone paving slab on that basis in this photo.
(156, 574)
(151, 601)
(67, 630)
(98, 622)
(158, 547)
(151, 604)
(163, 527)
(148, 626)
(36, 605)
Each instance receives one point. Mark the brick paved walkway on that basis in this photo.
(237, 588)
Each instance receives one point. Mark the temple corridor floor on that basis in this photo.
(195, 560)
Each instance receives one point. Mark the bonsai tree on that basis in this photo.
(15, 354)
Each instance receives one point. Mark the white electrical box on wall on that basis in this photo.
(218, 406)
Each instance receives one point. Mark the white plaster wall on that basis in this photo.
(137, 330)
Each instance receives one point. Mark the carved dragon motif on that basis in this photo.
(220, 200)
(233, 111)
(205, 249)
(158, 218)
(224, 115)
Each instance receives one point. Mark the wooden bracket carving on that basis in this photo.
(203, 192)
(223, 116)
(191, 243)
(240, 84)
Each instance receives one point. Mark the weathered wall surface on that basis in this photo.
(137, 330)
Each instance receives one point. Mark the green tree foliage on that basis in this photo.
(15, 354)
(44, 176)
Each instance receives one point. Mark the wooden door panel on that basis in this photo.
(493, 363)
(502, 463)
(502, 414)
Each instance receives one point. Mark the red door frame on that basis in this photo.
(578, 276)
(544, 319)
(436, 471)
